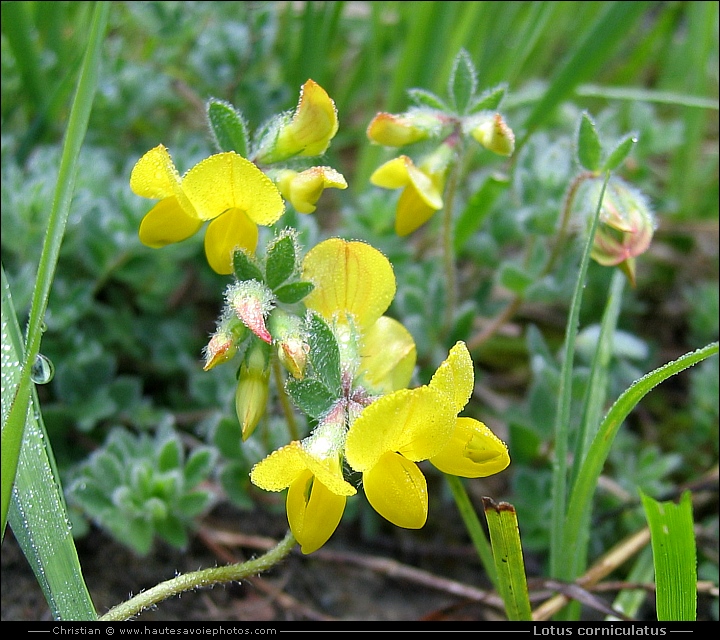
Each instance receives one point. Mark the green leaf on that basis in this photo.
(324, 352)
(311, 396)
(489, 100)
(198, 466)
(424, 98)
(463, 81)
(194, 503)
(514, 278)
(621, 151)
(589, 149)
(674, 556)
(245, 267)
(170, 455)
(293, 292)
(227, 126)
(509, 563)
(281, 260)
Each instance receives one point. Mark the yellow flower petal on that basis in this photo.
(473, 451)
(456, 376)
(393, 174)
(349, 277)
(412, 211)
(387, 356)
(282, 467)
(394, 130)
(397, 490)
(414, 422)
(313, 511)
(304, 189)
(166, 223)
(229, 181)
(155, 175)
(313, 125)
(230, 231)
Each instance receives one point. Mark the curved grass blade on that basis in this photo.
(581, 496)
(19, 399)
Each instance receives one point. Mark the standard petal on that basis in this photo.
(313, 511)
(229, 181)
(414, 422)
(456, 376)
(387, 356)
(473, 451)
(166, 223)
(280, 469)
(313, 125)
(349, 277)
(396, 488)
(155, 175)
(232, 230)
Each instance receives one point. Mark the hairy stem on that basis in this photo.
(202, 578)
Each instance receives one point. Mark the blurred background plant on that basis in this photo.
(126, 325)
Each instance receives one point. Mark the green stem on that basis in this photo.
(202, 578)
(449, 245)
(562, 417)
(284, 400)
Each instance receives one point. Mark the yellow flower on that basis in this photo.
(311, 471)
(304, 189)
(225, 188)
(407, 426)
(307, 133)
(422, 189)
(354, 286)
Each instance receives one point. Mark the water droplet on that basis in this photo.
(42, 370)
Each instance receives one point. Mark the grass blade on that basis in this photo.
(509, 564)
(37, 515)
(674, 556)
(19, 399)
(581, 496)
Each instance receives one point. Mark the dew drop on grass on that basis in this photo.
(42, 370)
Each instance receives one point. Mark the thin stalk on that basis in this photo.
(202, 578)
(562, 417)
(284, 400)
(449, 245)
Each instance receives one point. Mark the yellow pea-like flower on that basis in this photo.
(225, 189)
(304, 189)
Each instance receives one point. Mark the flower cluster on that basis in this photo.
(232, 193)
(372, 422)
(442, 129)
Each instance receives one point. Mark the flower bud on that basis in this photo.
(307, 133)
(251, 301)
(252, 391)
(304, 189)
(224, 342)
(625, 225)
(392, 130)
(492, 132)
(292, 345)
